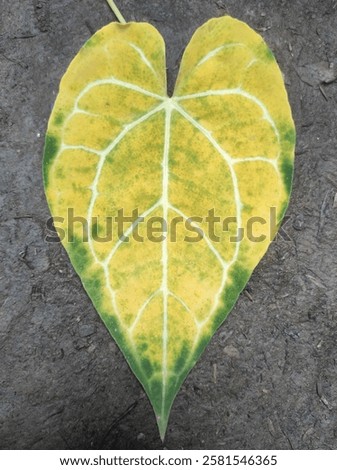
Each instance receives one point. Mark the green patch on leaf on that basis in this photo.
(287, 169)
(52, 145)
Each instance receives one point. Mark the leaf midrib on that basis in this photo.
(168, 105)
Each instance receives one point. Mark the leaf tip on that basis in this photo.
(162, 426)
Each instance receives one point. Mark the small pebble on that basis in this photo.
(298, 222)
(231, 351)
(86, 330)
(335, 202)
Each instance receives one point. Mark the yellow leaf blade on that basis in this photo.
(221, 147)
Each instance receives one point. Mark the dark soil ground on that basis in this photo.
(268, 379)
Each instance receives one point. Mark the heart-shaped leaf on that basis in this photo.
(166, 205)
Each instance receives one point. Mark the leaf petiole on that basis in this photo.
(116, 11)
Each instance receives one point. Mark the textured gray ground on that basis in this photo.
(268, 378)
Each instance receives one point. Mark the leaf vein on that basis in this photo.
(216, 51)
(204, 236)
(239, 92)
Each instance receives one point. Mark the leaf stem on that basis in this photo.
(116, 11)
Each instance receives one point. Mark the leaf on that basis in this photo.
(222, 146)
